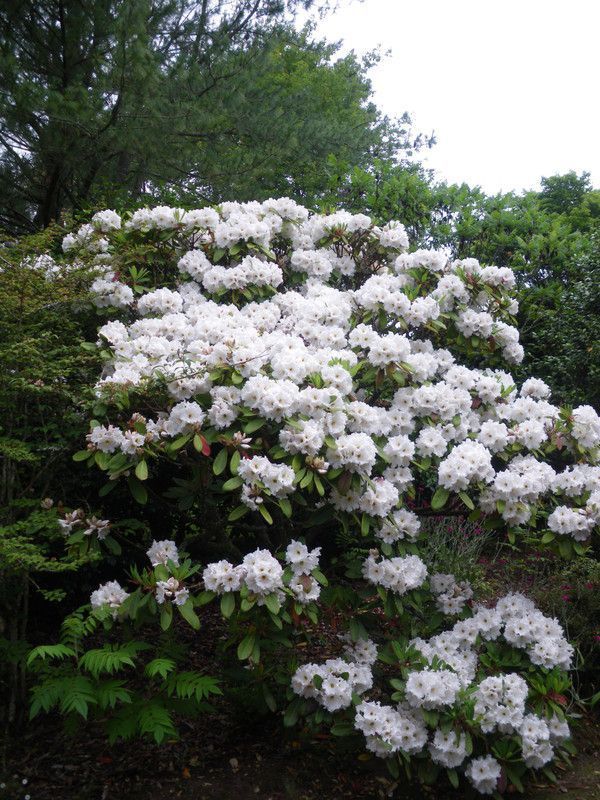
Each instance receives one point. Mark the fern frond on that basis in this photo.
(155, 720)
(79, 624)
(111, 658)
(123, 725)
(159, 666)
(192, 684)
(70, 694)
(109, 693)
(45, 696)
(78, 695)
(49, 651)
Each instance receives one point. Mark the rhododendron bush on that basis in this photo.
(330, 389)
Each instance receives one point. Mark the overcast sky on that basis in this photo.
(510, 87)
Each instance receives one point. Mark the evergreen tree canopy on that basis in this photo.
(111, 101)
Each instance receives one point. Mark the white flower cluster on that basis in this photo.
(500, 703)
(73, 520)
(111, 595)
(263, 575)
(432, 689)
(171, 589)
(259, 472)
(402, 524)
(300, 353)
(484, 773)
(302, 562)
(399, 575)
(162, 552)
(528, 629)
(468, 462)
(333, 683)
(450, 595)
(448, 749)
(388, 730)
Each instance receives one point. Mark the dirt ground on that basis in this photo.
(223, 758)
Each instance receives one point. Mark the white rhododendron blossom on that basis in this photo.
(307, 372)
(263, 575)
(110, 595)
(484, 772)
(388, 730)
(333, 683)
(399, 575)
(162, 552)
(171, 589)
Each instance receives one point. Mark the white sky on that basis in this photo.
(510, 87)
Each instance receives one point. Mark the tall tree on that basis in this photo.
(108, 100)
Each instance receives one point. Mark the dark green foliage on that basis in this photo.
(117, 102)
(562, 330)
(102, 682)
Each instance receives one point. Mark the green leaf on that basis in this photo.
(286, 507)
(81, 455)
(232, 484)
(113, 546)
(187, 612)
(365, 524)
(155, 720)
(166, 616)
(205, 597)
(343, 729)
(319, 577)
(272, 603)
(235, 462)
(467, 500)
(246, 646)
(220, 461)
(548, 537)
(439, 498)
(180, 441)
(141, 470)
(138, 490)
(269, 699)
(238, 512)
(107, 488)
(565, 548)
(159, 666)
(265, 514)
(453, 777)
(227, 604)
(254, 425)
(290, 717)
(49, 651)
(200, 444)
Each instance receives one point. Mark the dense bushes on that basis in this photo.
(285, 377)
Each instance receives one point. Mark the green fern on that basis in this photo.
(78, 696)
(111, 658)
(77, 626)
(50, 652)
(155, 720)
(123, 725)
(73, 694)
(159, 666)
(186, 685)
(110, 693)
(45, 696)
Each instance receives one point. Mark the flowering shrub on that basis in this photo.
(311, 374)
